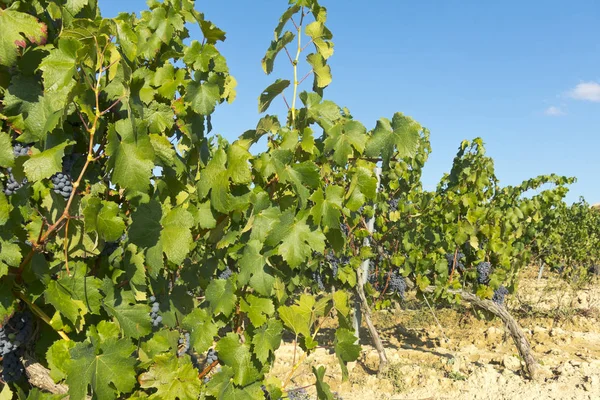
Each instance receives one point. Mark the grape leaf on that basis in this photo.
(45, 164)
(59, 358)
(107, 368)
(145, 226)
(7, 158)
(237, 355)
(323, 390)
(257, 308)
(15, 25)
(220, 294)
(172, 377)
(274, 49)
(297, 239)
(328, 208)
(59, 66)
(203, 97)
(321, 70)
(103, 217)
(85, 288)
(269, 94)
(176, 236)
(267, 339)
(343, 137)
(134, 319)
(346, 348)
(63, 301)
(401, 135)
(202, 329)
(131, 158)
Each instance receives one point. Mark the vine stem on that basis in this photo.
(295, 63)
(40, 313)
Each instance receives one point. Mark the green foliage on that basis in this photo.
(228, 239)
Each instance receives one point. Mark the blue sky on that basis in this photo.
(524, 76)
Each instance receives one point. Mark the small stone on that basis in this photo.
(511, 363)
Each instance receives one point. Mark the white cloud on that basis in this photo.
(589, 91)
(554, 111)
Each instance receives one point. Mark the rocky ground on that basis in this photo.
(465, 357)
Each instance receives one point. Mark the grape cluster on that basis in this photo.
(483, 272)
(154, 317)
(12, 185)
(316, 276)
(184, 344)
(460, 259)
(594, 270)
(393, 204)
(62, 184)
(211, 357)
(344, 229)
(335, 262)
(13, 336)
(298, 394)
(397, 283)
(21, 149)
(499, 294)
(225, 274)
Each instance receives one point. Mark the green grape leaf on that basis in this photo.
(59, 359)
(203, 97)
(5, 209)
(7, 158)
(343, 137)
(103, 217)
(237, 162)
(237, 356)
(133, 318)
(274, 49)
(63, 301)
(399, 137)
(321, 70)
(323, 390)
(297, 239)
(131, 157)
(221, 296)
(107, 368)
(74, 6)
(363, 187)
(269, 94)
(45, 164)
(145, 227)
(60, 65)
(15, 25)
(202, 329)
(298, 322)
(267, 339)
(176, 236)
(172, 377)
(85, 288)
(257, 309)
(10, 256)
(346, 348)
(327, 208)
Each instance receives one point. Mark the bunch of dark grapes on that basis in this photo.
(13, 337)
(594, 270)
(397, 284)
(184, 344)
(12, 185)
(393, 204)
(225, 274)
(298, 394)
(316, 276)
(483, 272)
(211, 357)
(335, 262)
(62, 184)
(20, 150)
(154, 317)
(499, 294)
(459, 265)
(344, 229)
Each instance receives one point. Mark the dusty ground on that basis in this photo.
(469, 358)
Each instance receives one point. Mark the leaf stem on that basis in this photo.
(295, 63)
